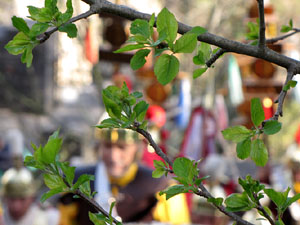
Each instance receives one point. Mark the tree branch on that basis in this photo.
(94, 205)
(262, 25)
(226, 44)
(281, 97)
(264, 212)
(204, 193)
(84, 15)
(274, 40)
(215, 57)
(157, 149)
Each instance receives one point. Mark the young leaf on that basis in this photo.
(272, 127)
(54, 181)
(18, 44)
(42, 15)
(184, 168)
(69, 172)
(37, 29)
(50, 193)
(141, 27)
(237, 133)
(109, 123)
(215, 201)
(279, 198)
(259, 152)
(27, 55)
(159, 172)
(199, 72)
(285, 28)
(51, 6)
(243, 148)
(70, 29)
(138, 60)
(51, 148)
(140, 109)
(129, 48)
(82, 179)
(199, 59)
(197, 30)
(257, 112)
(166, 68)
(20, 24)
(185, 44)
(97, 220)
(174, 190)
(238, 202)
(166, 21)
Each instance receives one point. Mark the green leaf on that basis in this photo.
(197, 30)
(51, 5)
(285, 28)
(291, 23)
(243, 148)
(141, 27)
(237, 133)
(184, 168)
(129, 48)
(159, 172)
(199, 59)
(70, 29)
(185, 44)
(29, 161)
(38, 28)
(151, 23)
(82, 179)
(50, 193)
(96, 219)
(291, 83)
(42, 15)
(85, 188)
(138, 60)
(257, 112)
(27, 55)
(259, 152)
(18, 44)
(206, 50)
(69, 172)
(291, 200)
(52, 147)
(112, 102)
(198, 72)
(215, 201)
(20, 24)
(141, 109)
(137, 94)
(174, 190)
(54, 181)
(279, 198)
(238, 202)
(167, 21)
(166, 68)
(272, 127)
(158, 164)
(109, 123)
(64, 17)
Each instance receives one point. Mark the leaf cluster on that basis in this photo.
(167, 65)
(248, 140)
(287, 28)
(48, 16)
(58, 176)
(123, 108)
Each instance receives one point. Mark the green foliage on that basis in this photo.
(123, 109)
(167, 65)
(290, 84)
(287, 28)
(58, 176)
(253, 33)
(238, 202)
(46, 17)
(248, 142)
(160, 169)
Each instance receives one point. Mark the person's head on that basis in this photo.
(118, 148)
(17, 191)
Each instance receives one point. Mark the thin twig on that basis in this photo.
(215, 57)
(157, 149)
(205, 193)
(281, 97)
(264, 212)
(280, 38)
(94, 205)
(84, 15)
(262, 25)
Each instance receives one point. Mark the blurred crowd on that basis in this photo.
(123, 174)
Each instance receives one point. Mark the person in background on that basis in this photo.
(119, 177)
(18, 192)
